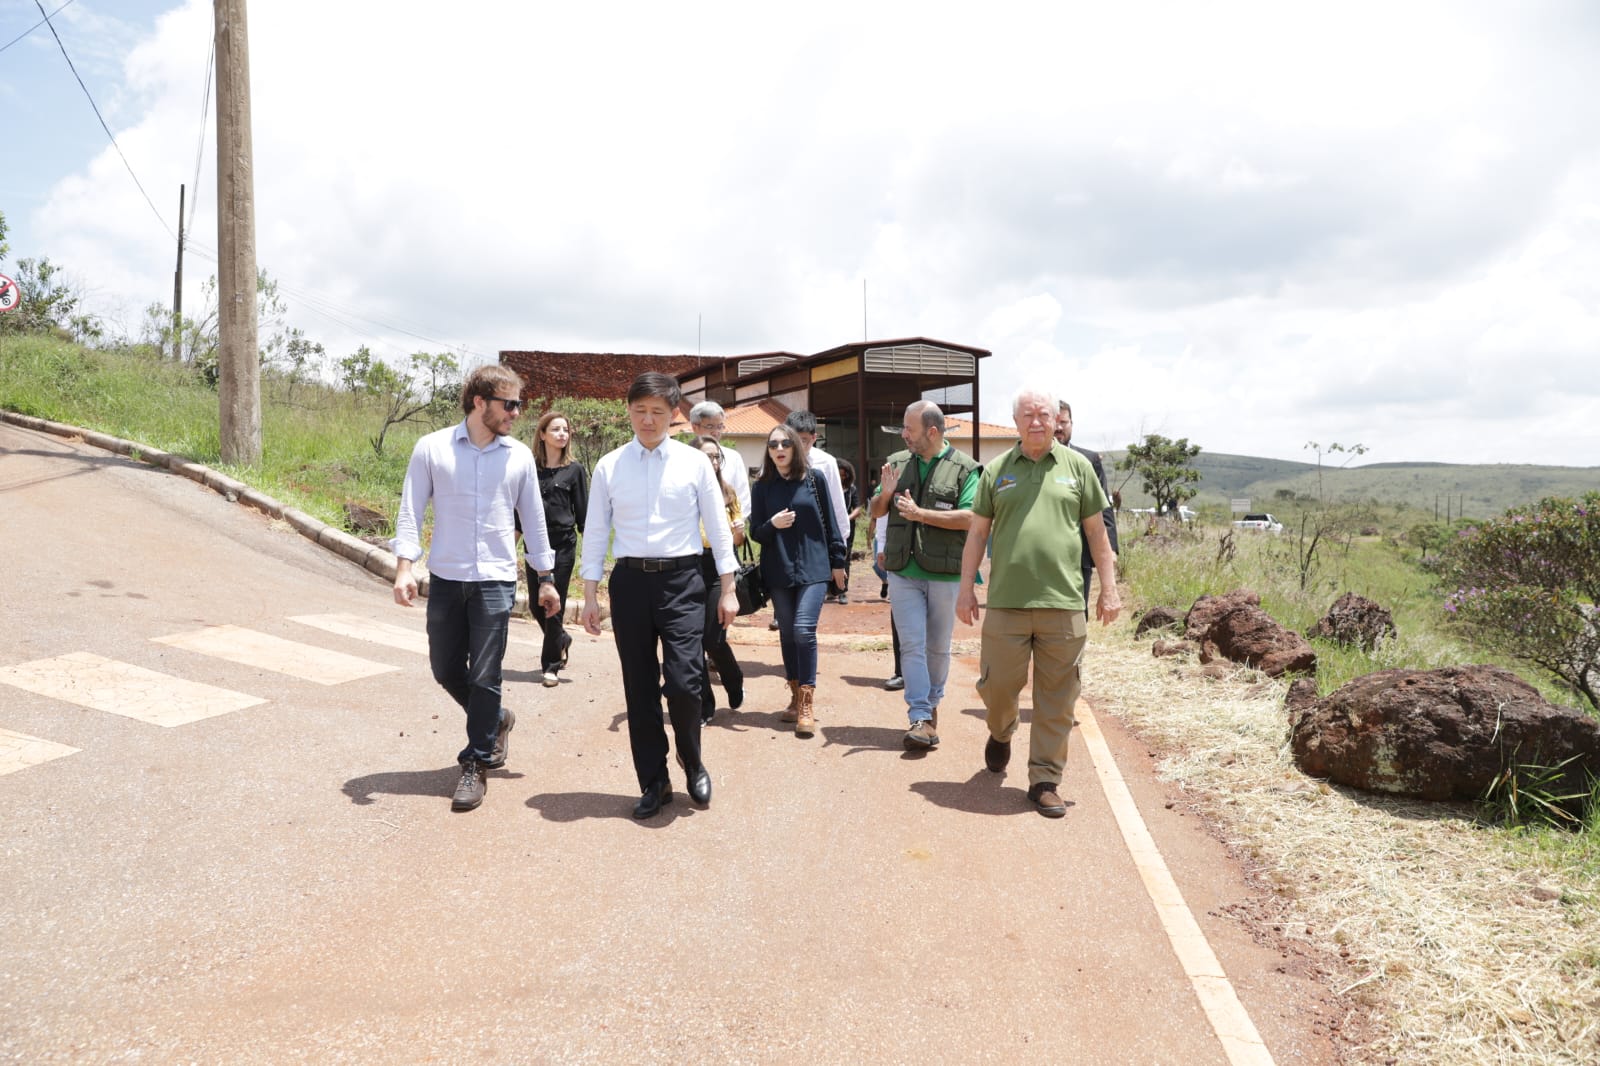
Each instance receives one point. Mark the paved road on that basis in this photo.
(225, 835)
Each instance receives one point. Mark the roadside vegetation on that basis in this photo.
(1468, 933)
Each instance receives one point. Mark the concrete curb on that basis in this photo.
(367, 556)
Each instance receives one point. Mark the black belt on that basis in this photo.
(653, 566)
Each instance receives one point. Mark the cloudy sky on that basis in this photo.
(1252, 225)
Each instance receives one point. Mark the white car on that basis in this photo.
(1263, 522)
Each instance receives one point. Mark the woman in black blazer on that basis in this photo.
(800, 551)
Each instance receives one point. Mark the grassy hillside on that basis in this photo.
(1483, 490)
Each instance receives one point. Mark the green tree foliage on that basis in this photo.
(48, 304)
(428, 389)
(198, 340)
(1528, 582)
(1164, 467)
(598, 426)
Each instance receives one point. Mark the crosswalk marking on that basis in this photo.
(18, 751)
(353, 625)
(122, 688)
(385, 633)
(239, 645)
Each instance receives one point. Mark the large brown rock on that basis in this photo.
(1249, 635)
(1354, 620)
(1438, 734)
(1207, 609)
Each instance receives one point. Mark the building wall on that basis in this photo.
(590, 375)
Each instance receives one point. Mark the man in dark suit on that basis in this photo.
(1064, 435)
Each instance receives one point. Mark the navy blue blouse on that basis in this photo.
(806, 552)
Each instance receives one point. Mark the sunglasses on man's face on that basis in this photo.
(778, 445)
(511, 406)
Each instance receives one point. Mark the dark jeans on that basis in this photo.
(467, 625)
(665, 608)
(555, 632)
(796, 608)
(716, 640)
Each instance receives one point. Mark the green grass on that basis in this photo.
(1179, 566)
(316, 448)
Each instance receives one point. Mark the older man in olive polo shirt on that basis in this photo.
(1034, 499)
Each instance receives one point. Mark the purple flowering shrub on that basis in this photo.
(1528, 582)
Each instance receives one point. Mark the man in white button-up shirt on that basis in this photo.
(648, 501)
(476, 476)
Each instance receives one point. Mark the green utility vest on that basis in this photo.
(936, 550)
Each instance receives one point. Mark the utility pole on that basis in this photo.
(177, 289)
(239, 360)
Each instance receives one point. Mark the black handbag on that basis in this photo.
(749, 585)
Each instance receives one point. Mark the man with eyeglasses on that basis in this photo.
(476, 475)
(708, 419)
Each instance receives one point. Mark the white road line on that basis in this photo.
(385, 633)
(305, 661)
(121, 688)
(1228, 1018)
(353, 625)
(18, 751)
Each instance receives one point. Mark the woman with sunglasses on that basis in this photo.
(800, 550)
(564, 490)
(716, 634)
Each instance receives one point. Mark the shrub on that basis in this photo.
(1528, 582)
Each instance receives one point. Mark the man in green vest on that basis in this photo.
(1035, 499)
(926, 492)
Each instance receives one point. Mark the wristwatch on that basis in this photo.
(547, 579)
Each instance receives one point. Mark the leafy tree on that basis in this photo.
(1528, 583)
(1163, 466)
(198, 340)
(47, 303)
(4, 247)
(425, 390)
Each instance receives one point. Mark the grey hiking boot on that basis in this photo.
(470, 790)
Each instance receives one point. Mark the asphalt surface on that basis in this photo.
(284, 880)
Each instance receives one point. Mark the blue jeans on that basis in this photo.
(924, 613)
(796, 608)
(467, 627)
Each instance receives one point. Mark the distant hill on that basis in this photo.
(1482, 491)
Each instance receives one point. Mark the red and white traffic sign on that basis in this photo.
(10, 295)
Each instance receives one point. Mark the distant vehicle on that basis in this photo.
(1184, 513)
(1264, 522)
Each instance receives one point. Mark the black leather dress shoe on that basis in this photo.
(700, 786)
(655, 797)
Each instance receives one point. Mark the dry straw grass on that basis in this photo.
(1470, 944)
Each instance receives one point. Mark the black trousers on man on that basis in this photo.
(658, 622)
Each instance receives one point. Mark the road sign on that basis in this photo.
(10, 295)
(1240, 506)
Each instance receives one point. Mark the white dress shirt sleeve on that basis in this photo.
(597, 522)
(714, 520)
(530, 508)
(414, 497)
(738, 476)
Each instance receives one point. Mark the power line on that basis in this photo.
(36, 25)
(71, 66)
(200, 148)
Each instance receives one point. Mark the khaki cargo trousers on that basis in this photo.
(1055, 640)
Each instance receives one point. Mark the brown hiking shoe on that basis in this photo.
(1047, 800)
(502, 740)
(921, 737)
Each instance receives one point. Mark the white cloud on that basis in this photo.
(1247, 224)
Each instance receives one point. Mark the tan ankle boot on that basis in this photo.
(806, 722)
(792, 712)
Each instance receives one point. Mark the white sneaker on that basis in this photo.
(552, 677)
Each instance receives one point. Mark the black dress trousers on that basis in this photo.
(658, 621)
